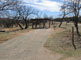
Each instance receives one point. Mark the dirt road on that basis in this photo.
(26, 47)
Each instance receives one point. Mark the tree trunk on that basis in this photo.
(32, 25)
(49, 24)
(26, 24)
(43, 24)
(39, 25)
(61, 22)
(35, 25)
(52, 22)
(77, 29)
(20, 26)
(76, 26)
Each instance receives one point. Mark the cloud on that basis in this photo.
(44, 5)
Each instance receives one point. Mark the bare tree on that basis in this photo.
(73, 7)
(5, 7)
(23, 13)
(63, 14)
(7, 4)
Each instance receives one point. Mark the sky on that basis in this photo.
(49, 7)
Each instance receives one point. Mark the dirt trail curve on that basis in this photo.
(26, 47)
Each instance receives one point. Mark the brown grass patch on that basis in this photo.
(61, 42)
(11, 33)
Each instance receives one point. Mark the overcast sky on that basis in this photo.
(50, 7)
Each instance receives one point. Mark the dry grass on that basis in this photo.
(61, 43)
(11, 33)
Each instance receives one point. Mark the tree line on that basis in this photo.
(16, 13)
